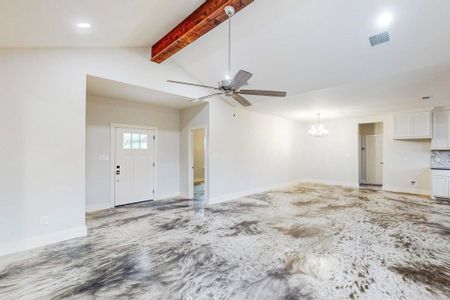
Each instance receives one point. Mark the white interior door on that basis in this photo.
(362, 158)
(134, 166)
(374, 159)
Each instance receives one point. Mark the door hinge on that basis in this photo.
(153, 192)
(154, 137)
(153, 165)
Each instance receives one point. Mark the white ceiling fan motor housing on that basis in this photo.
(229, 10)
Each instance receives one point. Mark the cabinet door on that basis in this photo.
(402, 125)
(441, 130)
(441, 186)
(421, 124)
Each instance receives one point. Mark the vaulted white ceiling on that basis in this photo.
(402, 91)
(312, 45)
(115, 23)
(316, 50)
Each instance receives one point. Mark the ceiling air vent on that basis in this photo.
(379, 38)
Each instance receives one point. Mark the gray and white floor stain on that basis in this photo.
(305, 242)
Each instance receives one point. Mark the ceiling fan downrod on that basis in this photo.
(231, 86)
(230, 11)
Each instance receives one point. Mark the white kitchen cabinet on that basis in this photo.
(402, 125)
(441, 186)
(441, 130)
(413, 125)
(421, 124)
(441, 183)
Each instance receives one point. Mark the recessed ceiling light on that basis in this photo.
(84, 25)
(385, 19)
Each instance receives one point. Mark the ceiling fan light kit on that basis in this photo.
(231, 87)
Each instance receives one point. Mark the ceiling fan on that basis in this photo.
(231, 87)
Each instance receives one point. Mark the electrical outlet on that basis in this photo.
(413, 183)
(44, 220)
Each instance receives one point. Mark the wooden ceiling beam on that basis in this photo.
(205, 18)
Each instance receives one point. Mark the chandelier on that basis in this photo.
(318, 130)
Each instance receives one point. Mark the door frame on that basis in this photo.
(113, 128)
(370, 120)
(191, 160)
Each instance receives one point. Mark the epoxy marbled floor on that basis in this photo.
(305, 242)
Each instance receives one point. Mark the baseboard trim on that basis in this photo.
(167, 196)
(184, 196)
(102, 206)
(331, 182)
(43, 240)
(98, 206)
(355, 185)
(235, 196)
(406, 190)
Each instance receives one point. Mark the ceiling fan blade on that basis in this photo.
(240, 79)
(263, 93)
(241, 100)
(206, 97)
(193, 84)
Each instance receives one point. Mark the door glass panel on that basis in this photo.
(135, 141)
(144, 139)
(126, 141)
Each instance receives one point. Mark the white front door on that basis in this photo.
(374, 159)
(134, 166)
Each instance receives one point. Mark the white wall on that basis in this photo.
(42, 134)
(101, 112)
(193, 117)
(251, 152)
(337, 156)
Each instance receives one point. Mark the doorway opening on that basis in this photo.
(198, 174)
(371, 155)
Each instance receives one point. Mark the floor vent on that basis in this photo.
(379, 38)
